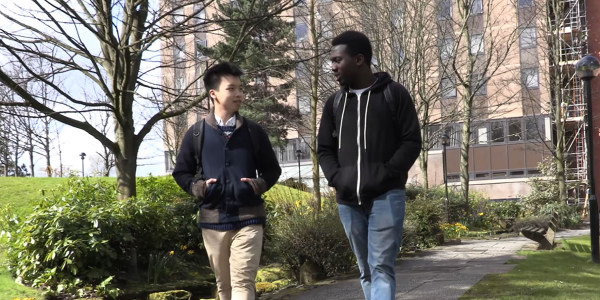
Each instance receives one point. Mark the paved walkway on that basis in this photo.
(445, 272)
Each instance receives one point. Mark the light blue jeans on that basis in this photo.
(375, 235)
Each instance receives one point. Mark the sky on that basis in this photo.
(74, 141)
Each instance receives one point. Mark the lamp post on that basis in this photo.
(587, 69)
(82, 155)
(445, 139)
(298, 154)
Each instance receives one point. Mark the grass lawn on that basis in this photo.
(22, 192)
(564, 273)
(9, 289)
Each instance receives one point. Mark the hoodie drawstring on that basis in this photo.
(342, 123)
(366, 114)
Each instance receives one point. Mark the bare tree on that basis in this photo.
(405, 46)
(116, 58)
(314, 80)
(475, 45)
(544, 35)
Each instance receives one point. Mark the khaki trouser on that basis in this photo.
(234, 257)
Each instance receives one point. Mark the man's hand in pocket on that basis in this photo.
(258, 185)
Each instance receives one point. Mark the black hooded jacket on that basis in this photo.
(366, 153)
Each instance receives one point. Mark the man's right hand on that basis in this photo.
(200, 186)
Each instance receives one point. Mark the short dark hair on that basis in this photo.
(212, 77)
(356, 43)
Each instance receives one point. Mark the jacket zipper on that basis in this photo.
(359, 150)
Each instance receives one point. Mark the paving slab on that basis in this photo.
(445, 272)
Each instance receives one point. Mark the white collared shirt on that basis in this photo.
(230, 122)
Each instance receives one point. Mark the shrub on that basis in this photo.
(568, 216)
(295, 184)
(303, 235)
(422, 223)
(81, 235)
(453, 231)
(505, 209)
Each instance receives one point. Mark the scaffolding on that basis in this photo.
(572, 24)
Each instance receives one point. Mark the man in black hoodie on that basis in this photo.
(368, 140)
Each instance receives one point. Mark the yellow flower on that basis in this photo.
(481, 214)
(191, 252)
(184, 247)
(172, 253)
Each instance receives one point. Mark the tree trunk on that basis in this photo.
(559, 154)
(31, 162)
(314, 98)
(126, 152)
(16, 156)
(47, 147)
(424, 157)
(30, 146)
(126, 168)
(464, 156)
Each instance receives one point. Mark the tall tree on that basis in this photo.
(476, 42)
(405, 46)
(116, 58)
(263, 55)
(553, 37)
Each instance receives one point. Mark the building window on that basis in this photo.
(482, 135)
(530, 78)
(179, 50)
(434, 137)
(200, 13)
(453, 131)
(398, 17)
(301, 32)
(445, 9)
(525, 3)
(169, 161)
(447, 88)
(534, 129)
(528, 38)
(179, 85)
(178, 15)
(515, 132)
(446, 48)
(499, 175)
(478, 84)
(287, 152)
(325, 26)
(303, 104)
(498, 132)
(327, 66)
(200, 45)
(477, 7)
(477, 46)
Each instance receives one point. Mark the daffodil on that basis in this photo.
(172, 253)
(191, 252)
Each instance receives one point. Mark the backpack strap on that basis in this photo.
(253, 130)
(393, 103)
(336, 103)
(198, 143)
